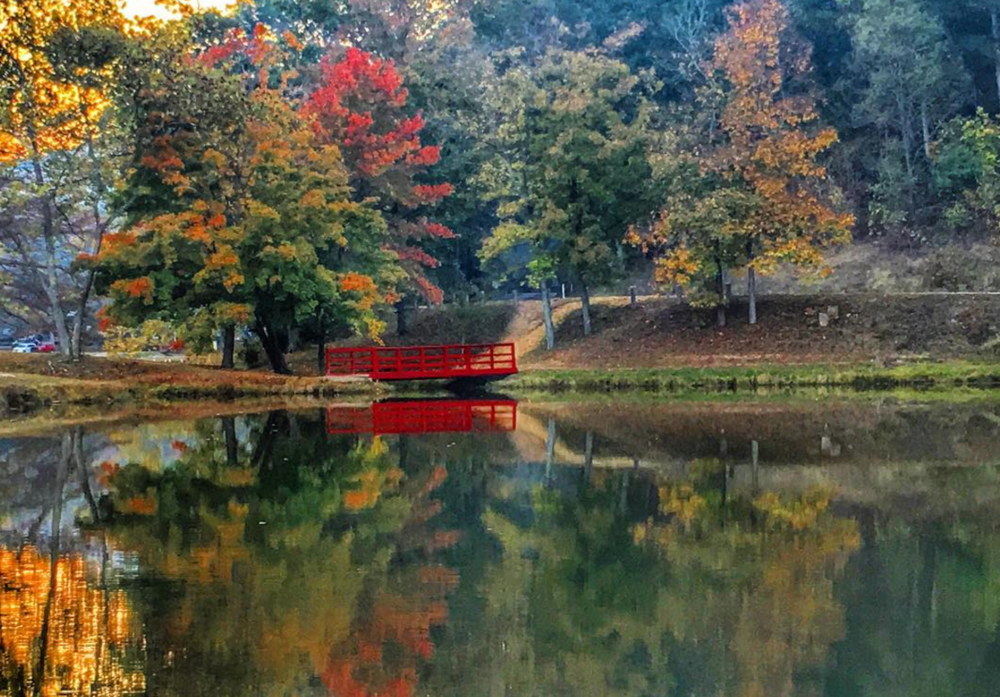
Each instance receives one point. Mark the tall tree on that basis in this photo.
(56, 65)
(572, 171)
(360, 106)
(912, 82)
(763, 195)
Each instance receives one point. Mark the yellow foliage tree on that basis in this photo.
(748, 188)
(55, 65)
(768, 146)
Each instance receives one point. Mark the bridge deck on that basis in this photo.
(424, 362)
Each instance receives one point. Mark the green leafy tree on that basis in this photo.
(967, 174)
(572, 169)
(912, 82)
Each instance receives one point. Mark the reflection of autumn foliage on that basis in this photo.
(307, 551)
(789, 621)
(781, 616)
(373, 481)
(393, 634)
(91, 634)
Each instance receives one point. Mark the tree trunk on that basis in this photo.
(100, 227)
(229, 346)
(925, 127)
(54, 541)
(752, 284)
(550, 329)
(321, 346)
(720, 279)
(232, 444)
(906, 129)
(80, 463)
(272, 348)
(585, 297)
(51, 282)
(550, 450)
(995, 22)
(76, 339)
(402, 318)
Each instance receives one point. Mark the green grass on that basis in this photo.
(918, 376)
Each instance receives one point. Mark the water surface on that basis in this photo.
(747, 548)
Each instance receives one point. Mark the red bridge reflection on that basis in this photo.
(427, 416)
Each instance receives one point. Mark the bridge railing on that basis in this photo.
(416, 362)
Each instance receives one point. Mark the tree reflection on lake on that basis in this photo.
(735, 549)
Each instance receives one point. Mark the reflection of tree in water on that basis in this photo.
(276, 559)
(284, 562)
(756, 580)
(392, 632)
(63, 628)
(923, 609)
(55, 618)
(685, 591)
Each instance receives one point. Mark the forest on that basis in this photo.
(299, 169)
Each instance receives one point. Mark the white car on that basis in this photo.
(25, 347)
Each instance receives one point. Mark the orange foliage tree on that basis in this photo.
(755, 194)
(242, 213)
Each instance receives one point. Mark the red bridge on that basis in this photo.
(424, 362)
(437, 416)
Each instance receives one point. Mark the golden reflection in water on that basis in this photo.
(89, 634)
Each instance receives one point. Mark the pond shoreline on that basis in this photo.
(26, 394)
(23, 394)
(749, 379)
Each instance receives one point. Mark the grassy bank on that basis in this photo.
(749, 379)
(32, 383)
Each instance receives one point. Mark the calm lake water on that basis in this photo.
(762, 548)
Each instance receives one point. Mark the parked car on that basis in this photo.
(46, 347)
(26, 346)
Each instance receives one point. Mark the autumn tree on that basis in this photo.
(762, 195)
(58, 151)
(242, 216)
(571, 171)
(360, 106)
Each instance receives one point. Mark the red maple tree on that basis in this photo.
(360, 105)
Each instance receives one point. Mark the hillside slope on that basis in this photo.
(666, 333)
